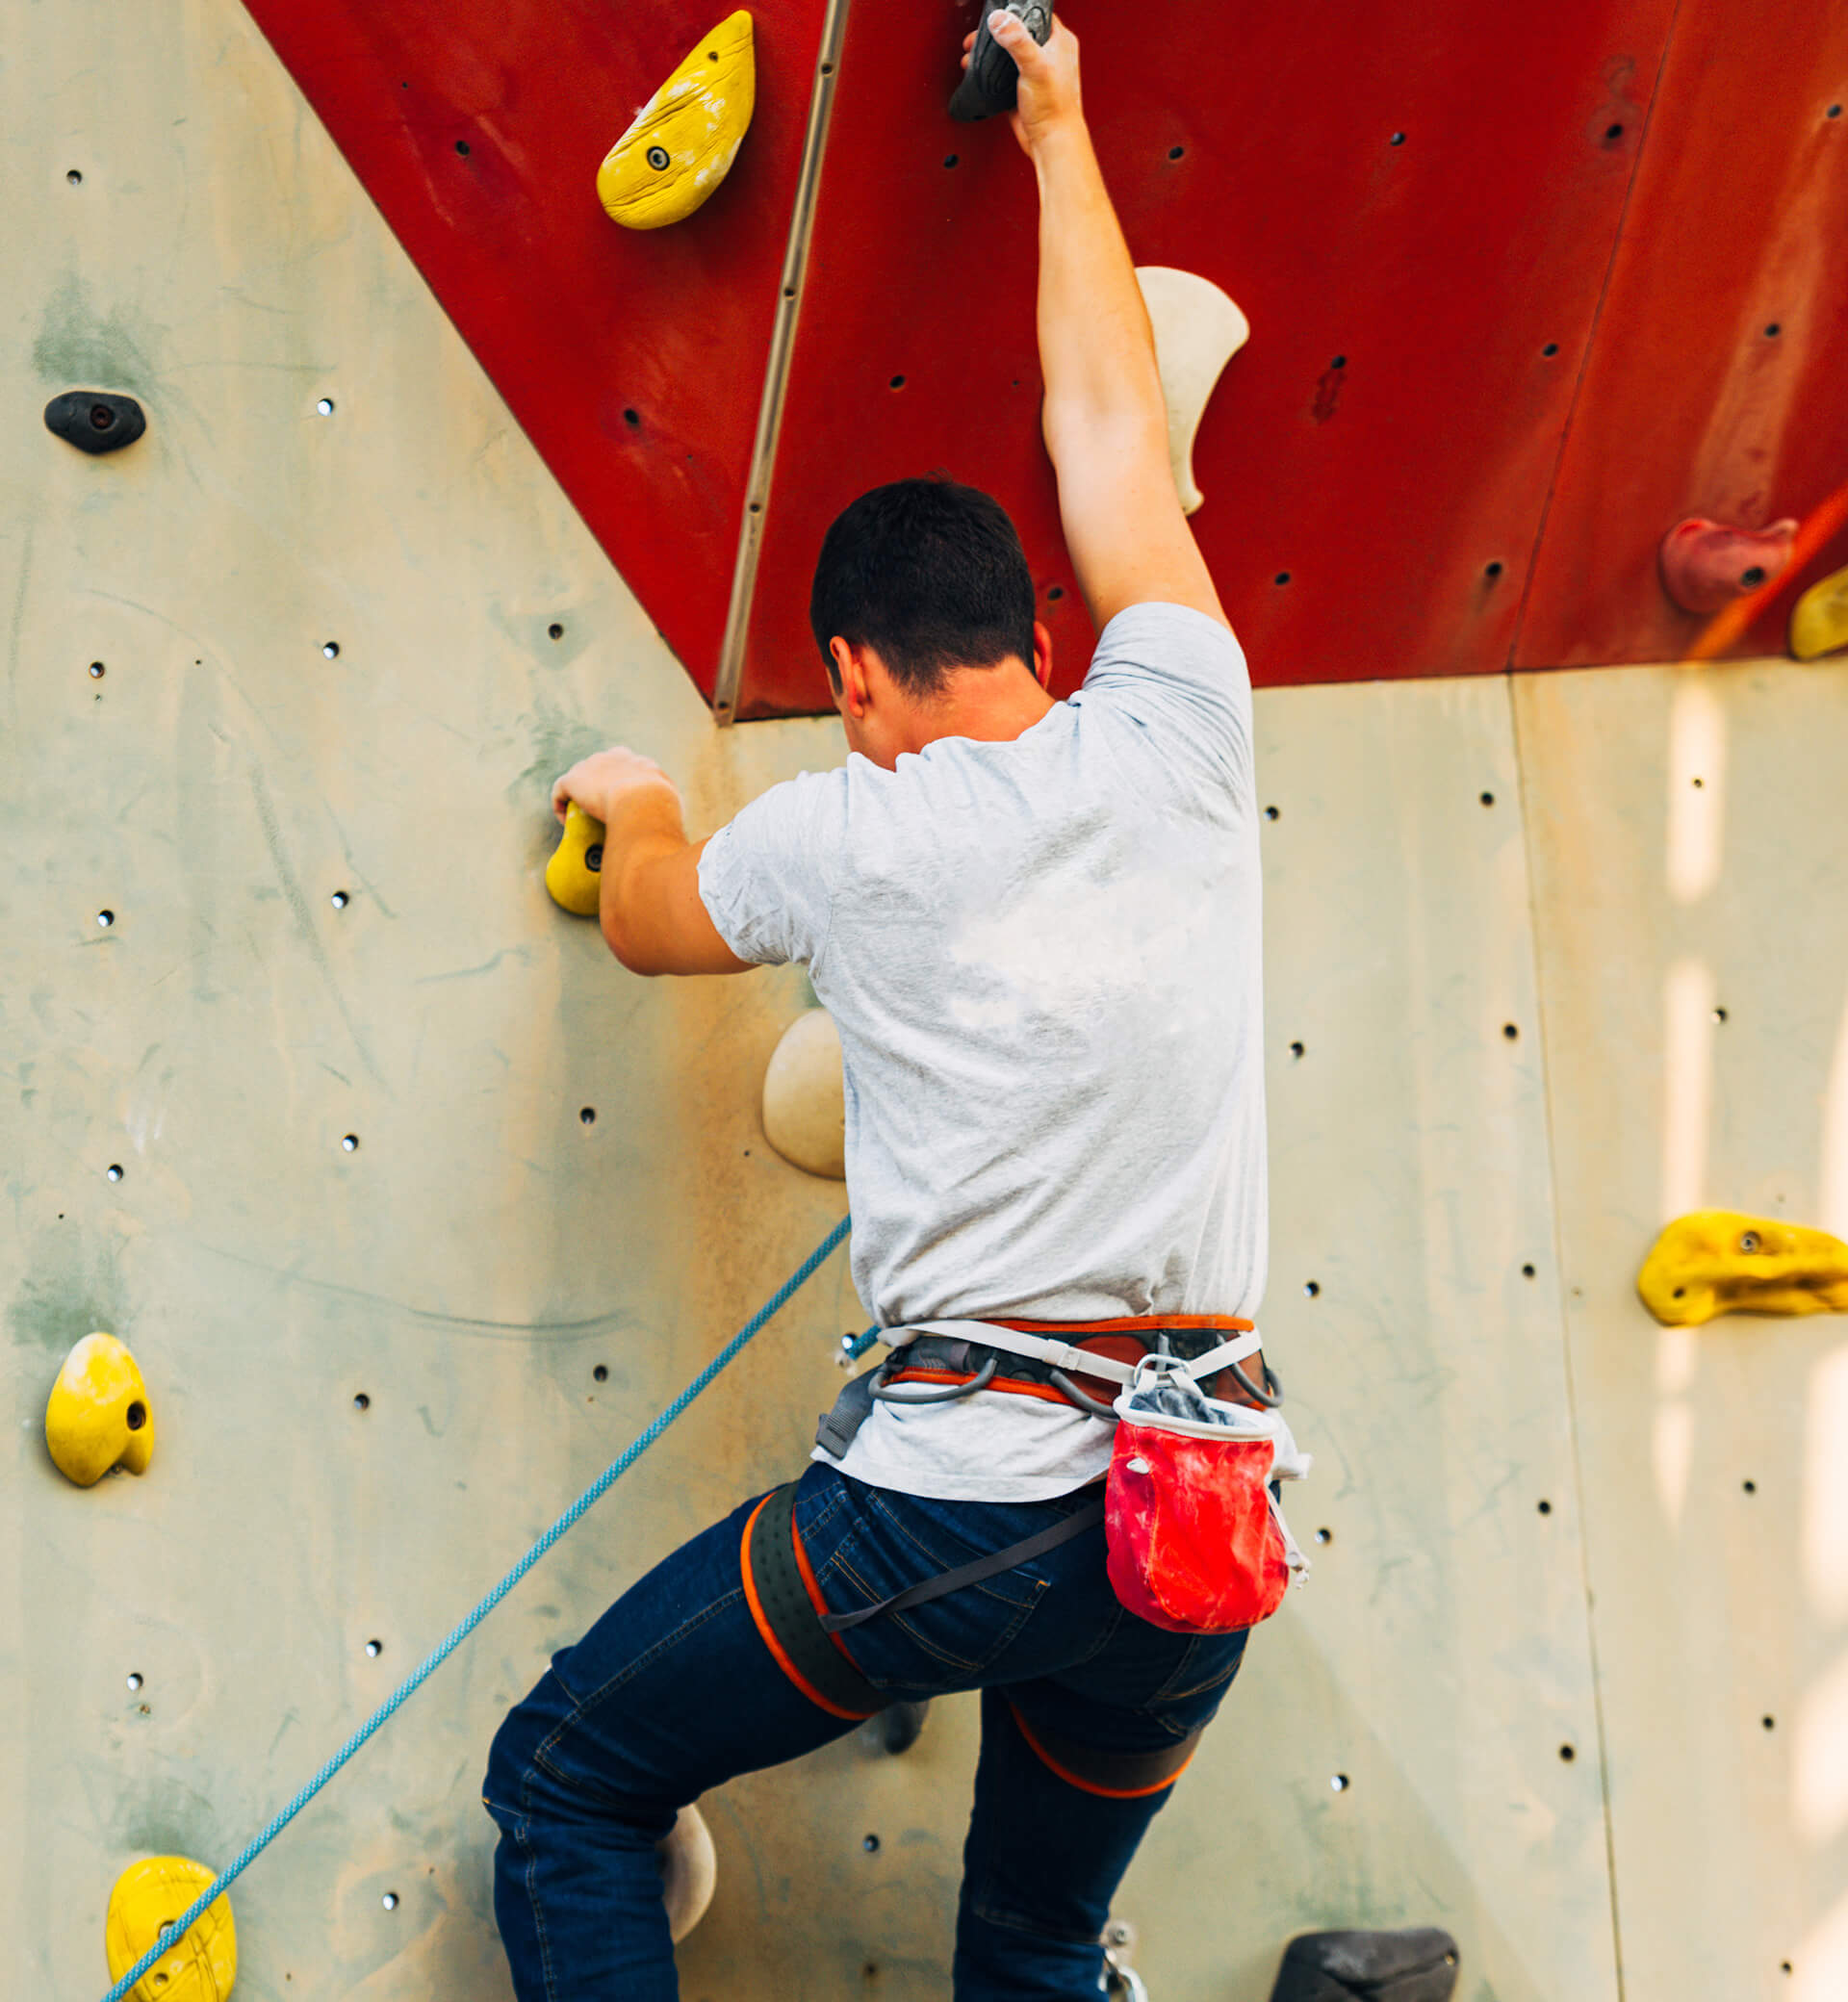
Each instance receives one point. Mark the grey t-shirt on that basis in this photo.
(1042, 957)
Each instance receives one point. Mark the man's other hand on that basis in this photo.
(599, 783)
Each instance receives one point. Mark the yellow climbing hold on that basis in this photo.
(99, 1416)
(1819, 618)
(573, 873)
(149, 1897)
(687, 136)
(1718, 1261)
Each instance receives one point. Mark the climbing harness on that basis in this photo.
(1196, 1538)
(248, 1854)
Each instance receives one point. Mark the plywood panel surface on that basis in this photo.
(1690, 864)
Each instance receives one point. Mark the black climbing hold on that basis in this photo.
(1418, 1964)
(96, 420)
(991, 83)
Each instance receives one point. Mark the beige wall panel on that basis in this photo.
(1690, 856)
(483, 1249)
(1438, 1656)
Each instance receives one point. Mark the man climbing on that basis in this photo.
(1036, 927)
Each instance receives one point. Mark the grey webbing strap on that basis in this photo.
(821, 1670)
(1022, 1552)
(837, 1429)
(1123, 1775)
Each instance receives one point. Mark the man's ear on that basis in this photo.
(1042, 656)
(847, 671)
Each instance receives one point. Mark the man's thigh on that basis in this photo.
(670, 1693)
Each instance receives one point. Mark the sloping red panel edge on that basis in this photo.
(634, 361)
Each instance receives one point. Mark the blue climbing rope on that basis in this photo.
(420, 1675)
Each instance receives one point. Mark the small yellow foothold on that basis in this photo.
(1718, 1261)
(99, 1416)
(149, 1897)
(573, 874)
(1819, 618)
(687, 136)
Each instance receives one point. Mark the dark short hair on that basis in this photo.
(931, 576)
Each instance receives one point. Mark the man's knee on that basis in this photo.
(513, 1756)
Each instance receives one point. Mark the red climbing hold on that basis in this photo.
(1706, 565)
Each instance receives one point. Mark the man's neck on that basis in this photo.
(990, 705)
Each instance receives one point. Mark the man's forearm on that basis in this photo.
(1096, 350)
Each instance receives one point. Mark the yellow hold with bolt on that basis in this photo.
(148, 1897)
(99, 1415)
(574, 875)
(687, 136)
(1715, 1262)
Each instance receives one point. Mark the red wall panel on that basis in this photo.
(633, 360)
(1691, 405)
(1439, 268)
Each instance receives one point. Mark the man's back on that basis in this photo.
(1042, 956)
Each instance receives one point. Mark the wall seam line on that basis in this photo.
(1585, 360)
(1510, 681)
(727, 681)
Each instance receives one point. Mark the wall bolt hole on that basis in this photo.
(1544, 1507)
(1719, 1014)
(373, 1649)
(113, 1171)
(1768, 1723)
(1567, 1753)
(1488, 799)
(1312, 1288)
(135, 1679)
(1749, 1487)
(1299, 1051)
(870, 1843)
(1324, 1536)
(1272, 812)
(600, 1374)
(1339, 1784)
(339, 900)
(361, 1402)
(76, 176)
(349, 1142)
(1527, 1272)
(330, 649)
(1511, 1031)
(325, 407)
(390, 1901)
(105, 919)
(554, 630)
(96, 670)
(588, 1114)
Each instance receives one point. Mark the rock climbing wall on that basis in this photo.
(286, 682)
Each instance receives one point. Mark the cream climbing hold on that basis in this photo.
(805, 1096)
(687, 136)
(150, 1896)
(1718, 1261)
(573, 874)
(689, 1872)
(1819, 618)
(1198, 331)
(99, 1416)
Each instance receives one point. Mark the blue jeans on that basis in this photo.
(674, 1691)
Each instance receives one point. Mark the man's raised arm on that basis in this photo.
(1106, 426)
